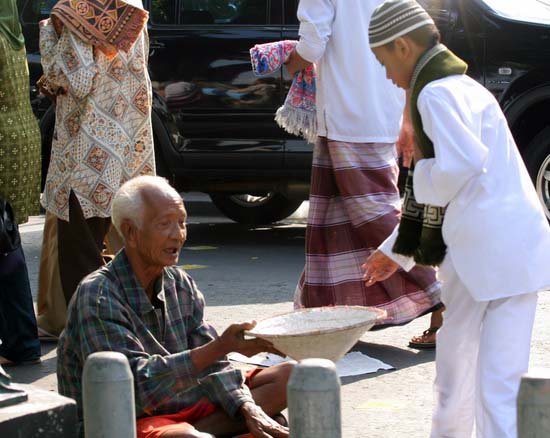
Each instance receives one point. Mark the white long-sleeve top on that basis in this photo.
(497, 235)
(355, 102)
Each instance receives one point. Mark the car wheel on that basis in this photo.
(537, 159)
(255, 209)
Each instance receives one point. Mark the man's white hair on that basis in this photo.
(128, 203)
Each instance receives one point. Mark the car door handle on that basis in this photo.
(154, 46)
(157, 45)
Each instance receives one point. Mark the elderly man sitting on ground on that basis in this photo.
(143, 306)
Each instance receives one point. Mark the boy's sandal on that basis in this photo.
(426, 340)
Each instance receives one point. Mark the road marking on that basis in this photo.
(200, 248)
(190, 267)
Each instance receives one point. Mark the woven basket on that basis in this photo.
(321, 332)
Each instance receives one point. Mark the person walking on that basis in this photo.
(95, 67)
(469, 198)
(354, 197)
(20, 187)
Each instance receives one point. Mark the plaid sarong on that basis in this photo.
(298, 114)
(354, 207)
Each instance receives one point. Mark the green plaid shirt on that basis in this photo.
(111, 312)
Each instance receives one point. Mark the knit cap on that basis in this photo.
(395, 18)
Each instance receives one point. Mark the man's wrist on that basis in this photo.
(219, 346)
(246, 407)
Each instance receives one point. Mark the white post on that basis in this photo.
(108, 396)
(314, 400)
(534, 405)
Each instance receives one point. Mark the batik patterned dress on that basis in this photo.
(19, 135)
(103, 134)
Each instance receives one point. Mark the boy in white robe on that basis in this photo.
(472, 209)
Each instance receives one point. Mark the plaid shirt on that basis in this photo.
(111, 312)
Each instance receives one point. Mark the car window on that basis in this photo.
(535, 11)
(164, 11)
(35, 10)
(291, 6)
(225, 11)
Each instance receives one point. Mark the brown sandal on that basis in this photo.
(426, 340)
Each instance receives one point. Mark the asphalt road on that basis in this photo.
(251, 274)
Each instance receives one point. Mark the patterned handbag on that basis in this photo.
(10, 239)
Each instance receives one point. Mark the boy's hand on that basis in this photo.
(417, 153)
(405, 142)
(378, 267)
(260, 424)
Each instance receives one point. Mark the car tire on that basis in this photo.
(255, 210)
(537, 160)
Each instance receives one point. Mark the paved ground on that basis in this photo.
(247, 274)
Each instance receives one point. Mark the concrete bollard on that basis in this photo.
(314, 400)
(534, 405)
(108, 396)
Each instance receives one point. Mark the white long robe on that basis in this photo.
(498, 257)
(495, 229)
(355, 101)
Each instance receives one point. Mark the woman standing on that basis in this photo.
(20, 186)
(354, 202)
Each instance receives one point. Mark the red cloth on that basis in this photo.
(155, 427)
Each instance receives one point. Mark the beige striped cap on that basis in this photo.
(395, 18)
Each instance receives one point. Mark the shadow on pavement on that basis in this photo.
(400, 358)
(231, 233)
(31, 373)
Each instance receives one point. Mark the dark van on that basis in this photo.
(213, 119)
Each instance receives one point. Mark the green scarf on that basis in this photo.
(419, 233)
(9, 24)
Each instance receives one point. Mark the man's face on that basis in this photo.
(163, 231)
(396, 60)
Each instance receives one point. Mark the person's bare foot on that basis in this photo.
(426, 340)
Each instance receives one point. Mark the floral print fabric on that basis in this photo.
(298, 114)
(103, 134)
(19, 135)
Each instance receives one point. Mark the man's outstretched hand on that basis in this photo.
(378, 267)
(232, 339)
(261, 425)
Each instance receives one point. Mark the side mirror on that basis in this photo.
(442, 12)
(445, 19)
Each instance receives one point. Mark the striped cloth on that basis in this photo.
(354, 206)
